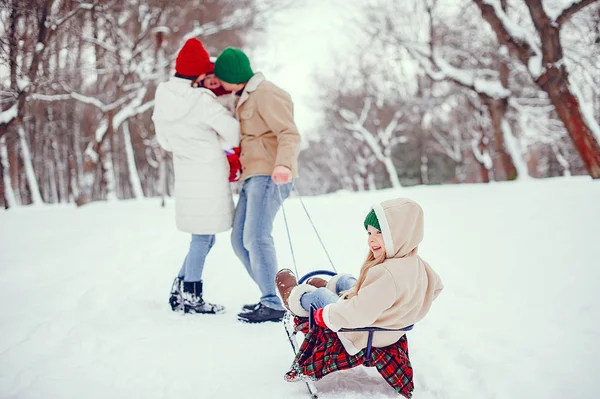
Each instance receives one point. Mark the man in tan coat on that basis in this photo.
(270, 143)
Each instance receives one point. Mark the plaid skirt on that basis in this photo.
(322, 353)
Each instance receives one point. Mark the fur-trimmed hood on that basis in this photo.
(401, 239)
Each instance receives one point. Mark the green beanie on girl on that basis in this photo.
(371, 220)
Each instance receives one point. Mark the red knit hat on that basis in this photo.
(193, 59)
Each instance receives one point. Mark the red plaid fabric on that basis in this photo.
(322, 353)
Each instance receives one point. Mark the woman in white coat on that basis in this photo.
(191, 123)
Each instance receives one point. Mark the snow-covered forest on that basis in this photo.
(430, 92)
(485, 112)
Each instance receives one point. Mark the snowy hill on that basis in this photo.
(84, 313)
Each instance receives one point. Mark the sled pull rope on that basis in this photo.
(314, 228)
(287, 228)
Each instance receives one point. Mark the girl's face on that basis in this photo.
(211, 82)
(375, 241)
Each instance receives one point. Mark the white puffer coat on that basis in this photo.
(192, 124)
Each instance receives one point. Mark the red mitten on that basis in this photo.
(235, 167)
(318, 318)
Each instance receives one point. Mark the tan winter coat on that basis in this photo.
(269, 136)
(396, 293)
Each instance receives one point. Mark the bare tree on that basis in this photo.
(547, 68)
(48, 20)
(489, 82)
(74, 117)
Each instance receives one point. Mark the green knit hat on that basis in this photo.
(371, 220)
(233, 66)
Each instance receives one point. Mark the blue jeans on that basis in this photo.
(251, 237)
(192, 267)
(322, 297)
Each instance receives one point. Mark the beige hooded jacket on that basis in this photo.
(396, 293)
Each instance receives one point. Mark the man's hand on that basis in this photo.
(281, 174)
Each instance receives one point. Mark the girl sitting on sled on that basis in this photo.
(395, 289)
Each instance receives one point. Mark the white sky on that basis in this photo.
(299, 42)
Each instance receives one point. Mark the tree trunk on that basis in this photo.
(555, 82)
(94, 156)
(514, 148)
(162, 176)
(482, 156)
(75, 156)
(392, 172)
(3, 181)
(561, 160)
(34, 188)
(8, 194)
(371, 185)
(134, 177)
(108, 176)
(485, 173)
(424, 169)
(497, 111)
(582, 128)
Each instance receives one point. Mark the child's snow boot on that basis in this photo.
(193, 302)
(291, 292)
(285, 281)
(317, 282)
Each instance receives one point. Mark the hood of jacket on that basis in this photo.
(176, 98)
(401, 222)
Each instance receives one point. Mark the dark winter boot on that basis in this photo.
(193, 302)
(250, 307)
(261, 314)
(175, 299)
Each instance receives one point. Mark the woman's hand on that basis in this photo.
(281, 174)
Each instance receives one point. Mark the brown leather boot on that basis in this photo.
(285, 281)
(317, 282)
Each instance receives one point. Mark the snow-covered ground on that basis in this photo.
(84, 313)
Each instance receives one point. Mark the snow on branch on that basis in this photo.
(88, 100)
(428, 59)
(348, 115)
(54, 25)
(91, 153)
(391, 128)
(144, 107)
(212, 28)
(133, 108)
(491, 88)
(85, 99)
(483, 157)
(355, 124)
(452, 151)
(398, 140)
(571, 9)
(106, 46)
(100, 132)
(512, 28)
(7, 116)
(510, 33)
(116, 28)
